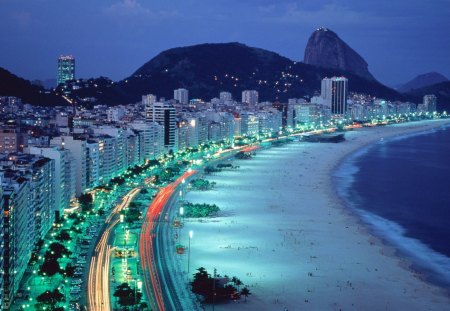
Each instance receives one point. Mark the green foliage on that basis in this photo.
(69, 270)
(127, 295)
(117, 181)
(50, 299)
(200, 210)
(245, 292)
(214, 288)
(59, 250)
(86, 202)
(63, 236)
(243, 155)
(211, 169)
(85, 198)
(50, 266)
(202, 184)
(132, 214)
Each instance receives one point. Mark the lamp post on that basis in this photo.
(181, 223)
(191, 234)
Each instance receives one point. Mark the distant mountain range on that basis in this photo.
(207, 69)
(422, 81)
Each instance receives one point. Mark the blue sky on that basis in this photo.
(398, 38)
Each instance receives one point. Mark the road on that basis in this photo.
(98, 294)
(156, 284)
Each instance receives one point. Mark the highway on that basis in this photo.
(98, 294)
(158, 285)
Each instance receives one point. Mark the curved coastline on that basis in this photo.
(295, 243)
(424, 262)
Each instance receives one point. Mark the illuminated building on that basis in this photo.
(66, 69)
(250, 97)
(334, 94)
(430, 103)
(181, 95)
(164, 114)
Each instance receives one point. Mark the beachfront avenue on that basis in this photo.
(102, 246)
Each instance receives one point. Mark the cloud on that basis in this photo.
(126, 7)
(132, 8)
(325, 14)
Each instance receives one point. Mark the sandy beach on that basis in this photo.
(285, 233)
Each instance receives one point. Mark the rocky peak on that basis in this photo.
(325, 49)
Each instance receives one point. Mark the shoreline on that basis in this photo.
(308, 225)
(407, 259)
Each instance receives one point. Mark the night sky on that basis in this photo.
(398, 38)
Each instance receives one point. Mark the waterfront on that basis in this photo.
(398, 186)
(285, 233)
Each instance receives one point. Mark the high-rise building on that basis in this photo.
(250, 97)
(430, 102)
(66, 69)
(164, 114)
(334, 94)
(61, 187)
(78, 154)
(181, 95)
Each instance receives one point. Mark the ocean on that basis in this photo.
(400, 187)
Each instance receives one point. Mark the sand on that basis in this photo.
(286, 234)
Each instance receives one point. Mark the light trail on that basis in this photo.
(147, 242)
(98, 291)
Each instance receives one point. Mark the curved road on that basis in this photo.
(98, 294)
(151, 240)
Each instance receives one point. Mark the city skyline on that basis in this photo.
(117, 38)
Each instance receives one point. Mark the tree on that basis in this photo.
(85, 198)
(50, 266)
(86, 202)
(63, 236)
(69, 270)
(245, 292)
(50, 298)
(59, 250)
(127, 295)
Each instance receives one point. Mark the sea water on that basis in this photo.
(400, 187)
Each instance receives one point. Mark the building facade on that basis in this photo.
(334, 92)
(66, 69)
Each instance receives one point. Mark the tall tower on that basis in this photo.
(66, 69)
(334, 94)
(181, 95)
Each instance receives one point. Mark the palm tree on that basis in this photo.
(238, 283)
(245, 292)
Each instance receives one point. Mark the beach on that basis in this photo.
(285, 233)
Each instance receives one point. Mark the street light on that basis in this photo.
(181, 223)
(191, 234)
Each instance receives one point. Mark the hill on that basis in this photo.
(207, 69)
(12, 85)
(442, 92)
(422, 81)
(326, 49)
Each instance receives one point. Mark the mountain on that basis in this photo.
(441, 90)
(325, 49)
(422, 81)
(12, 85)
(207, 69)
